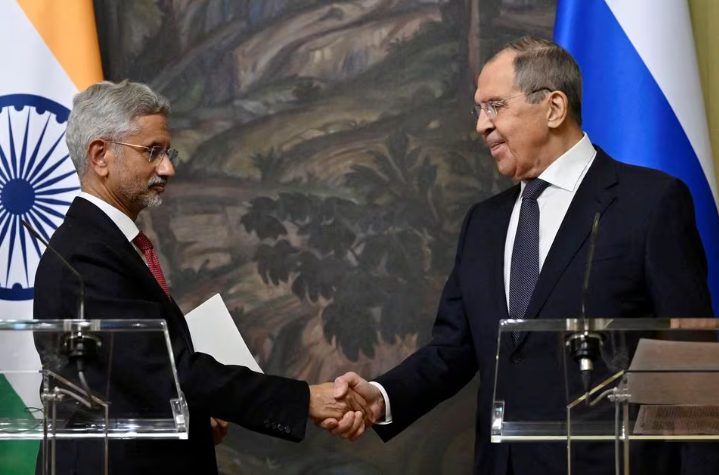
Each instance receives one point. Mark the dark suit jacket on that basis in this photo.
(119, 285)
(649, 261)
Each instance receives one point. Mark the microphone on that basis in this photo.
(584, 347)
(79, 346)
(590, 257)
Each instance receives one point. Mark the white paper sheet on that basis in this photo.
(213, 332)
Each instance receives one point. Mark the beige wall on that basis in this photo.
(705, 20)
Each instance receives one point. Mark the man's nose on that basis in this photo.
(484, 124)
(165, 167)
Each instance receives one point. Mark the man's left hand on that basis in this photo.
(219, 430)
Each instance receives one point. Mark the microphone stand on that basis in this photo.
(584, 346)
(79, 346)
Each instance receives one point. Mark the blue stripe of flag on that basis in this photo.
(626, 113)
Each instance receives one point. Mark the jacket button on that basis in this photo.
(516, 359)
(287, 430)
(267, 423)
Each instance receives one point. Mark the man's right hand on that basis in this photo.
(344, 386)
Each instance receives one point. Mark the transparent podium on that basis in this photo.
(619, 381)
(85, 384)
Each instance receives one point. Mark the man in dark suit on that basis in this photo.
(522, 254)
(119, 141)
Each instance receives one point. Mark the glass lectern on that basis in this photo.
(650, 379)
(79, 390)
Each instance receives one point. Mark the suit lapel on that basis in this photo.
(139, 268)
(595, 194)
(85, 212)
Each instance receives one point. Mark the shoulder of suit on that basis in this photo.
(637, 173)
(500, 199)
(85, 227)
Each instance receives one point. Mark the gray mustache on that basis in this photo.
(157, 181)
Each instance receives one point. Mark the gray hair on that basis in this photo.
(108, 110)
(541, 64)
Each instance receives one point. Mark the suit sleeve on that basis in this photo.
(271, 405)
(675, 261)
(439, 370)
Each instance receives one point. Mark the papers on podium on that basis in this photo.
(677, 385)
(214, 332)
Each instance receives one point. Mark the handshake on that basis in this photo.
(347, 407)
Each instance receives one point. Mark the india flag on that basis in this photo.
(48, 52)
(642, 96)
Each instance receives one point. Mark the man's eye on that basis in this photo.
(155, 151)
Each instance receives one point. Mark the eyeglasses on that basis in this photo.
(492, 108)
(155, 154)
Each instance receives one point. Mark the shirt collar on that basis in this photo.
(566, 171)
(127, 226)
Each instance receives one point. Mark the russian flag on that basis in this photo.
(642, 100)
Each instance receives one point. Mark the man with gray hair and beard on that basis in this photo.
(119, 141)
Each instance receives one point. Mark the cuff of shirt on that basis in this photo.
(387, 410)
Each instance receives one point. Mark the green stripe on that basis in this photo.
(16, 456)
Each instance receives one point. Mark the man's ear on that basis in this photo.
(99, 156)
(558, 109)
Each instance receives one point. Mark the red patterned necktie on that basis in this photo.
(153, 262)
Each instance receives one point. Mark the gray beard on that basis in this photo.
(146, 201)
(151, 201)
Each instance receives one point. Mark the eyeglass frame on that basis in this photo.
(170, 153)
(492, 108)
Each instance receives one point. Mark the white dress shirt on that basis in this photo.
(564, 176)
